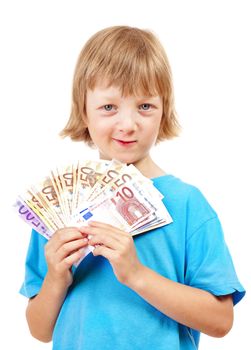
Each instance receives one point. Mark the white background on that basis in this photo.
(208, 44)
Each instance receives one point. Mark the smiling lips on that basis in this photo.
(124, 142)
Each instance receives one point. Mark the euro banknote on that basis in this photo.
(108, 191)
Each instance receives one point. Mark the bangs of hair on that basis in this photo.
(127, 58)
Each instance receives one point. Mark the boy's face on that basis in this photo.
(122, 127)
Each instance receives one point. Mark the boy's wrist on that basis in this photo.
(56, 286)
(136, 280)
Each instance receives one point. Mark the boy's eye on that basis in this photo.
(108, 108)
(145, 106)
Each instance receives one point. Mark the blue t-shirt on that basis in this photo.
(101, 313)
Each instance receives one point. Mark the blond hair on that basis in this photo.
(131, 59)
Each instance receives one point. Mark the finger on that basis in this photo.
(106, 230)
(71, 247)
(63, 236)
(103, 251)
(55, 257)
(72, 259)
(107, 240)
(97, 224)
(112, 239)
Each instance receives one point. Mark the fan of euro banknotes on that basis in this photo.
(107, 191)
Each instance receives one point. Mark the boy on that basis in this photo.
(162, 288)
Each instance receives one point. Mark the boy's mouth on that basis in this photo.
(125, 142)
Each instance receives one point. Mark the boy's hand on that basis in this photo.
(61, 252)
(117, 246)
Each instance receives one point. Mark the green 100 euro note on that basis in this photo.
(106, 191)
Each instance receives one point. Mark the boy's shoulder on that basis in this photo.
(172, 184)
(184, 197)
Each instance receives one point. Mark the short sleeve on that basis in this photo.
(35, 266)
(209, 265)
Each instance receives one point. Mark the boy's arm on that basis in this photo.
(62, 251)
(189, 306)
(42, 310)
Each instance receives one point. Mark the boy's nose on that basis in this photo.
(127, 122)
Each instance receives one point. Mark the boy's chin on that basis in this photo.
(127, 159)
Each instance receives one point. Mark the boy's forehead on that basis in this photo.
(108, 90)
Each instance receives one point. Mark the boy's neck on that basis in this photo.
(149, 168)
